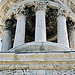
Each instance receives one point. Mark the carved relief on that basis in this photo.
(22, 10)
(40, 5)
(70, 24)
(61, 11)
(37, 72)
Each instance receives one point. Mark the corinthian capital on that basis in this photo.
(61, 12)
(73, 26)
(8, 24)
(22, 11)
(40, 6)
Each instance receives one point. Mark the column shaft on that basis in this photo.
(40, 30)
(72, 39)
(62, 35)
(6, 43)
(20, 31)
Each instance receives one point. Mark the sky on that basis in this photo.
(0, 0)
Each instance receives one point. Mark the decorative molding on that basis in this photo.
(37, 72)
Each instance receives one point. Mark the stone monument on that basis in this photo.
(38, 37)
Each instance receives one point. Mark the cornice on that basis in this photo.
(54, 4)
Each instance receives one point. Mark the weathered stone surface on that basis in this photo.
(72, 38)
(8, 7)
(40, 30)
(37, 72)
(6, 43)
(40, 46)
(62, 35)
(20, 30)
(37, 61)
(35, 58)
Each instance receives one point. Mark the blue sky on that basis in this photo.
(0, 0)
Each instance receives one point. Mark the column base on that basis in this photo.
(40, 47)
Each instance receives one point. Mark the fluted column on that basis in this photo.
(62, 35)
(72, 37)
(40, 30)
(7, 37)
(20, 30)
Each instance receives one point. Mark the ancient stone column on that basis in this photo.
(62, 35)
(72, 37)
(7, 36)
(20, 29)
(40, 30)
